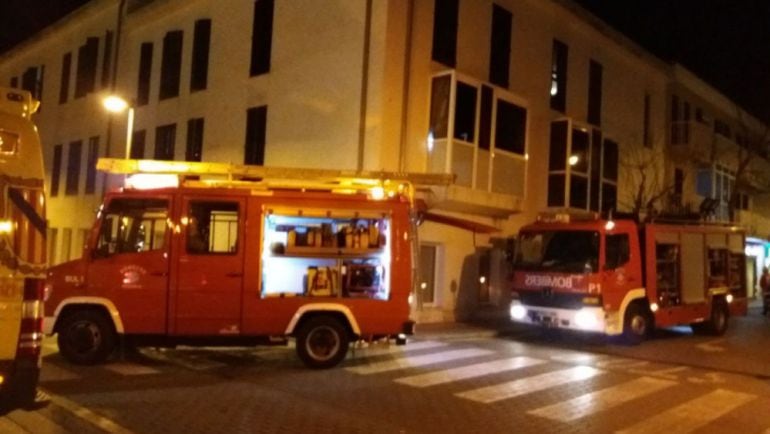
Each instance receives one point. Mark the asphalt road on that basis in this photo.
(449, 379)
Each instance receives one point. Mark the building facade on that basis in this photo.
(532, 105)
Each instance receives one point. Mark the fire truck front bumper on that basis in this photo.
(589, 319)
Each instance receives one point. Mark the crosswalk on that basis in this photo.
(566, 387)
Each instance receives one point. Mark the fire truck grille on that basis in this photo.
(548, 298)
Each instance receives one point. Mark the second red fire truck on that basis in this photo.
(618, 277)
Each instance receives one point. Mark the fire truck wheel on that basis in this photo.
(322, 342)
(720, 314)
(636, 324)
(86, 337)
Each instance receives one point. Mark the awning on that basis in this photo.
(469, 225)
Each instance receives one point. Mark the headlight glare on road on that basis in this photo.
(518, 312)
(585, 319)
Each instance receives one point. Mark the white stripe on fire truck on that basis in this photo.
(692, 414)
(527, 385)
(470, 371)
(601, 400)
(410, 361)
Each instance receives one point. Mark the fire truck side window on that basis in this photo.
(617, 251)
(132, 226)
(212, 228)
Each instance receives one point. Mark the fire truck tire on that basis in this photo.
(637, 324)
(86, 337)
(322, 342)
(720, 314)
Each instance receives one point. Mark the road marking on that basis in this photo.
(712, 346)
(190, 361)
(378, 350)
(605, 399)
(692, 414)
(52, 372)
(87, 415)
(524, 386)
(416, 361)
(470, 371)
(129, 369)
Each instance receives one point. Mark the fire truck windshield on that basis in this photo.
(562, 251)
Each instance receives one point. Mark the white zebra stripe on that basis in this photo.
(527, 385)
(470, 371)
(692, 414)
(416, 361)
(601, 400)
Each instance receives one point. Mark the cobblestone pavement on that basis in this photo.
(449, 379)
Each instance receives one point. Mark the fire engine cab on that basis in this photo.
(619, 277)
(252, 257)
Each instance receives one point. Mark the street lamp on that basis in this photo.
(116, 104)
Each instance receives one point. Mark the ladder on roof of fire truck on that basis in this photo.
(241, 175)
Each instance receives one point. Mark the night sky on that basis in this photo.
(725, 42)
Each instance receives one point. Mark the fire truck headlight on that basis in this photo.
(586, 319)
(729, 298)
(518, 312)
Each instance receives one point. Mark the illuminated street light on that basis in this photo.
(116, 104)
(573, 160)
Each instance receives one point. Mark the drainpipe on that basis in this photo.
(407, 79)
(364, 86)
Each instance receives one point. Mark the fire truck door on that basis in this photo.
(129, 262)
(210, 273)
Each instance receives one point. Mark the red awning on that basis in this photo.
(470, 225)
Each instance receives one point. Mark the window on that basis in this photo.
(32, 81)
(171, 65)
(617, 251)
(107, 60)
(678, 186)
(93, 155)
(145, 74)
(646, 133)
(64, 86)
(256, 129)
(722, 128)
(194, 139)
(568, 251)
(73, 168)
(165, 138)
(500, 47)
(85, 81)
(199, 71)
(582, 168)
(138, 139)
(465, 113)
(511, 123)
(14, 82)
(485, 117)
(212, 228)
(56, 169)
(132, 226)
(261, 37)
(445, 19)
(559, 76)
(595, 93)
(441, 87)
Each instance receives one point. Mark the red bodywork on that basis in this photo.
(170, 292)
(611, 289)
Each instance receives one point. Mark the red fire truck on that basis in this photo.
(622, 278)
(22, 248)
(321, 256)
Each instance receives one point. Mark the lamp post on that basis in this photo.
(116, 104)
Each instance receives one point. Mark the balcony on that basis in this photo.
(477, 132)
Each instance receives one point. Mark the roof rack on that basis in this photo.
(264, 177)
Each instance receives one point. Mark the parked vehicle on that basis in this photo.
(307, 255)
(622, 278)
(22, 248)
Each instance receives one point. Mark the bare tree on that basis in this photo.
(644, 170)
